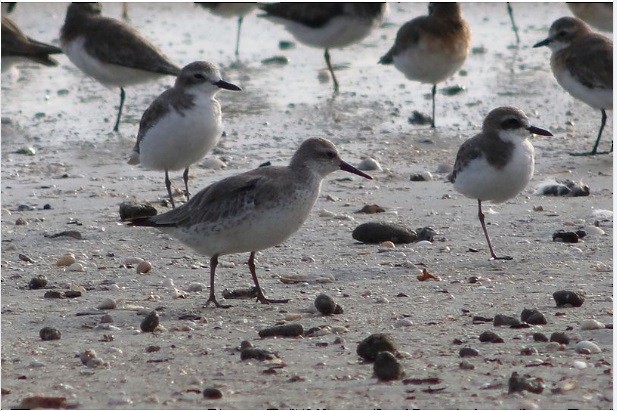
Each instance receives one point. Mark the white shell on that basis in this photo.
(587, 346)
(591, 325)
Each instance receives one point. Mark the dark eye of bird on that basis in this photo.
(199, 76)
(330, 154)
(510, 123)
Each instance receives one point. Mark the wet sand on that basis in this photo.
(79, 168)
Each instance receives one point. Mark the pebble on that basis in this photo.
(374, 344)
(21, 221)
(323, 76)
(130, 210)
(286, 45)
(251, 353)
(105, 319)
(143, 267)
(150, 323)
(388, 245)
(568, 298)
(25, 258)
(213, 163)
(369, 164)
(559, 337)
(518, 383)
(529, 351)
(466, 365)
(426, 234)
(86, 356)
(130, 261)
(501, 319)
(579, 365)
(539, 337)
(489, 336)
(195, 287)
(468, 352)
(40, 281)
(107, 304)
(212, 393)
(565, 236)
(325, 304)
(443, 168)
(49, 334)
(587, 347)
(403, 322)
(66, 260)
(287, 330)
(375, 233)
(371, 209)
(421, 176)
(76, 267)
(387, 367)
(533, 317)
(591, 325)
(564, 386)
(419, 119)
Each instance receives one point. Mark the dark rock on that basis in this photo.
(275, 60)
(581, 234)
(518, 383)
(150, 323)
(53, 294)
(565, 236)
(468, 352)
(287, 330)
(130, 210)
(266, 164)
(529, 351)
(49, 334)
(420, 177)
(501, 319)
(68, 233)
(489, 336)
(40, 281)
(426, 234)
(374, 344)
(387, 367)
(419, 119)
(375, 233)
(47, 207)
(286, 45)
(325, 304)
(478, 319)
(539, 337)
(561, 338)
(338, 309)
(256, 354)
(241, 293)
(371, 209)
(212, 393)
(452, 90)
(568, 298)
(72, 294)
(533, 317)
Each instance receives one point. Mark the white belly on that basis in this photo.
(595, 97)
(177, 141)
(110, 75)
(429, 63)
(481, 181)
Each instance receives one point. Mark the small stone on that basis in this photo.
(338, 310)
(27, 151)
(195, 287)
(539, 337)
(66, 260)
(579, 365)
(529, 351)
(150, 323)
(76, 267)
(426, 234)
(489, 336)
(375, 233)
(130, 210)
(419, 119)
(212, 393)
(287, 330)
(587, 347)
(403, 322)
(568, 298)
(535, 317)
(107, 304)
(371, 209)
(421, 176)
(561, 338)
(387, 367)
(143, 267)
(106, 319)
(275, 60)
(501, 319)
(256, 354)
(369, 164)
(49, 334)
(325, 304)
(565, 236)
(591, 325)
(374, 344)
(86, 356)
(518, 383)
(40, 281)
(466, 365)
(25, 258)
(286, 45)
(387, 245)
(468, 352)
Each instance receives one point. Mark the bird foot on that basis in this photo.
(504, 257)
(212, 299)
(262, 299)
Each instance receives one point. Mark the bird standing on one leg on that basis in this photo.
(231, 10)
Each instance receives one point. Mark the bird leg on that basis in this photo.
(514, 27)
(212, 298)
(433, 92)
(238, 36)
(122, 95)
(594, 150)
(186, 183)
(168, 185)
(327, 57)
(260, 294)
(488, 240)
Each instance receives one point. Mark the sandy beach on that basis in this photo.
(64, 170)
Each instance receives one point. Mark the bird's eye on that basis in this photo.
(331, 154)
(510, 123)
(199, 76)
(562, 34)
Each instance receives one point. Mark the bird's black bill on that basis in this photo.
(539, 131)
(545, 42)
(351, 169)
(227, 86)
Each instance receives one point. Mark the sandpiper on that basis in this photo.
(327, 25)
(231, 10)
(582, 63)
(182, 124)
(598, 15)
(496, 164)
(111, 51)
(430, 49)
(252, 211)
(17, 46)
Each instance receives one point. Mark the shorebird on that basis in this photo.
(182, 124)
(598, 15)
(327, 25)
(17, 46)
(231, 10)
(496, 164)
(582, 63)
(430, 49)
(252, 211)
(111, 51)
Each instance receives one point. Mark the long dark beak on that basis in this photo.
(227, 86)
(544, 42)
(351, 169)
(539, 131)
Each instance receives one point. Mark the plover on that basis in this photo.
(231, 10)
(582, 63)
(111, 51)
(17, 46)
(598, 15)
(327, 25)
(252, 211)
(182, 124)
(496, 164)
(430, 49)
